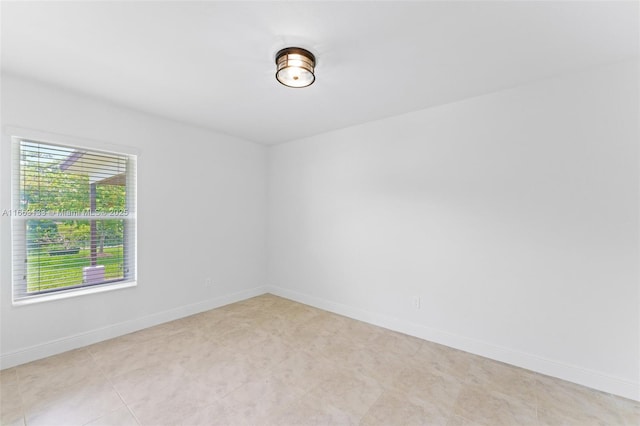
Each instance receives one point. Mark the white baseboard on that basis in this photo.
(58, 346)
(571, 373)
(592, 379)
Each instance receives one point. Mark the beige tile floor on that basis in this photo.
(271, 361)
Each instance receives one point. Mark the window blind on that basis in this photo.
(73, 218)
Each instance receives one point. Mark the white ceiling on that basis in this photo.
(212, 63)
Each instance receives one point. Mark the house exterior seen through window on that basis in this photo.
(73, 218)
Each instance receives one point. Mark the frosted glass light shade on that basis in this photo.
(295, 67)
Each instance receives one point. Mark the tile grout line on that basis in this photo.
(106, 376)
(22, 406)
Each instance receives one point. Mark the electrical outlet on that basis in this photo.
(416, 302)
(208, 282)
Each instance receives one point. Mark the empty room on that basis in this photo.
(320, 213)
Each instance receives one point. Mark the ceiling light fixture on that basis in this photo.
(295, 67)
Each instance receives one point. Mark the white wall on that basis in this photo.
(513, 215)
(201, 213)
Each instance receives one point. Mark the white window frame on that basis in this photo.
(18, 284)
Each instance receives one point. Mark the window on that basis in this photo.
(73, 219)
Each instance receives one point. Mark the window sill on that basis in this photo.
(29, 300)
